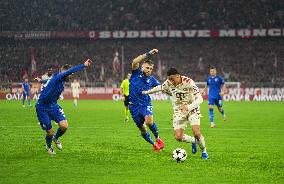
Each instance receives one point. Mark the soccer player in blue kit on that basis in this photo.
(140, 105)
(26, 92)
(47, 108)
(216, 86)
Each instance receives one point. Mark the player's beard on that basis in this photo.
(144, 73)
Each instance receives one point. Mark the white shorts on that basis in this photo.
(180, 120)
(75, 94)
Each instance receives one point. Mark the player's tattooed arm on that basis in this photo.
(153, 90)
(158, 88)
(143, 57)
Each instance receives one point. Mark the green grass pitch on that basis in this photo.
(100, 148)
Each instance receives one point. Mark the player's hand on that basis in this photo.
(222, 93)
(183, 108)
(144, 92)
(37, 79)
(88, 62)
(122, 98)
(153, 51)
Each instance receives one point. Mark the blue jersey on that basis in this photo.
(215, 84)
(139, 83)
(26, 86)
(53, 88)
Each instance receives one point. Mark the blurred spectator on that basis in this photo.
(72, 15)
(249, 60)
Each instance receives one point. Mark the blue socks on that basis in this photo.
(29, 102)
(23, 101)
(59, 133)
(48, 140)
(211, 115)
(147, 137)
(222, 112)
(154, 130)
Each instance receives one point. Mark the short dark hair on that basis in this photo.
(149, 61)
(212, 67)
(172, 71)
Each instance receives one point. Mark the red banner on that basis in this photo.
(119, 34)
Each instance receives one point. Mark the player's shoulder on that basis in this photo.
(186, 80)
(220, 77)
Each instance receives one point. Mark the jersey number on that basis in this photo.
(181, 96)
(150, 108)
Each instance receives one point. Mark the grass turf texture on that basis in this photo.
(100, 148)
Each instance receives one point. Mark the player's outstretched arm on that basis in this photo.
(74, 69)
(88, 62)
(143, 57)
(153, 90)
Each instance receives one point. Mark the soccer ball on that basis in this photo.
(179, 155)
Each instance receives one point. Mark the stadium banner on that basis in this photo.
(130, 34)
(109, 93)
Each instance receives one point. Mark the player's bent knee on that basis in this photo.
(143, 129)
(196, 132)
(63, 125)
(148, 120)
(50, 132)
(178, 138)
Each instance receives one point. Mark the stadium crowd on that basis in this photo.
(249, 60)
(72, 15)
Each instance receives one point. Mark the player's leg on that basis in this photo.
(58, 116)
(211, 115)
(29, 100)
(75, 101)
(194, 120)
(63, 126)
(220, 108)
(48, 139)
(45, 124)
(146, 135)
(149, 121)
(126, 108)
(23, 99)
(138, 119)
(179, 133)
(200, 140)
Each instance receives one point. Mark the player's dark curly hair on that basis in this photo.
(172, 71)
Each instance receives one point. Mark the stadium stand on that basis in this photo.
(253, 60)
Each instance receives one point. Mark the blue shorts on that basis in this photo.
(25, 94)
(139, 112)
(215, 101)
(46, 114)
